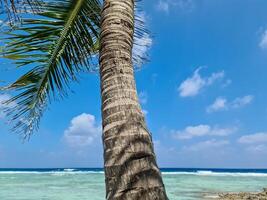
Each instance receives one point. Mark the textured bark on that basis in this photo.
(130, 165)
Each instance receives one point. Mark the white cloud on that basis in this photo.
(240, 102)
(221, 103)
(202, 130)
(263, 42)
(145, 112)
(143, 97)
(82, 131)
(3, 106)
(163, 6)
(255, 144)
(227, 83)
(257, 138)
(193, 85)
(187, 5)
(214, 77)
(182, 5)
(257, 149)
(209, 144)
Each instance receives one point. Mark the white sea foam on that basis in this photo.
(197, 173)
(20, 172)
(69, 170)
(211, 173)
(65, 171)
(62, 173)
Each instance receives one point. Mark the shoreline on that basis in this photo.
(244, 195)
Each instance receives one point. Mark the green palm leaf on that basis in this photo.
(57, 45)
(12, 8)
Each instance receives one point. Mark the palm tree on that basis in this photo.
(130, 164)
(61, 44)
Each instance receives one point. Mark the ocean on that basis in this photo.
(88, 184)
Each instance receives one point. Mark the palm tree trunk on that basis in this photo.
(130, 165)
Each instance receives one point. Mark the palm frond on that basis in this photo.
(142, 38)
(56, 45)
(13, 8)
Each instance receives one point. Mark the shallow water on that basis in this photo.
(60, 184)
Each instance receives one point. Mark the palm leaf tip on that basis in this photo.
(142, 39)
(57, 46)
(13, 8)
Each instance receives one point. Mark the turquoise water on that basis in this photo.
(89, 185)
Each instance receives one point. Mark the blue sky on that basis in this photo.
(203, 92)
